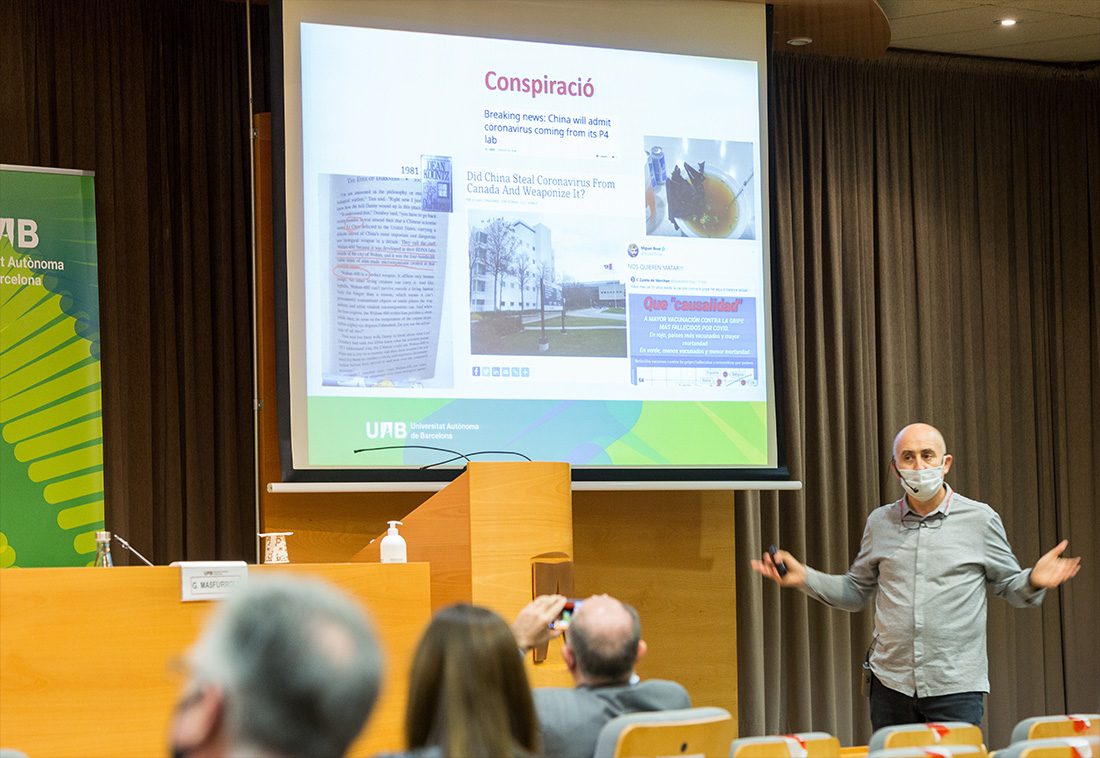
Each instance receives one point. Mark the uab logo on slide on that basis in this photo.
(379, 430)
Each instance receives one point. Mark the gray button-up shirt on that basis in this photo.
(930, 575)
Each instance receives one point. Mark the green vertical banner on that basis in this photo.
(51, 430)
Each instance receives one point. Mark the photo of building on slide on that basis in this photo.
(545, 285)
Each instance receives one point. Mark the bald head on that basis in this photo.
(917, 438)
(605, 620)
(920, 446)
(604, 637)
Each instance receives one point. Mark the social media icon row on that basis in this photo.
(502, 371)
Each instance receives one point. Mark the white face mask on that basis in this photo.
(922, 484)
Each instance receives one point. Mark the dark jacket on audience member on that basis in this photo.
(570, 719)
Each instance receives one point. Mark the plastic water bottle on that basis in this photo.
(103, 550)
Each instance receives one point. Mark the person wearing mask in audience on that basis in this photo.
(468, 691)
(286, 668)
(602, 645)
(929, 556)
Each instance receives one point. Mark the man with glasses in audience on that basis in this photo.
(929, 555)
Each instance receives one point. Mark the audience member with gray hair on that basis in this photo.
(602, 645)
(606, 655)
(286, 667)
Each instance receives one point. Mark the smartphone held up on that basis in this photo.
(566, 617)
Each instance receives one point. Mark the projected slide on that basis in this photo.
(515, 246)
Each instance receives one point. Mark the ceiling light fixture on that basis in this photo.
(799, 41)
(1007, 22)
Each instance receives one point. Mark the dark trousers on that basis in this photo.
(890, 707)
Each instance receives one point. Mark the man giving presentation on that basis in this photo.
(929, 555)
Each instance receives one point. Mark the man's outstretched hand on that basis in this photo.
(1052, 569)
(796, 572)
(532, 625)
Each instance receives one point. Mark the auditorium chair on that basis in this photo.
(927, 735)
(1072, 725)
(1054, 747)
(929, 751)
(689, 731)
(809, 744)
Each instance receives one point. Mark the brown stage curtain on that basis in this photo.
(938, 255)
(152, 96)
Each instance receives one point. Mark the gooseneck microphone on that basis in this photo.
(130, 547)
(455, 453)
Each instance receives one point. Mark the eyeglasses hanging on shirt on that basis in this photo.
(911, 521)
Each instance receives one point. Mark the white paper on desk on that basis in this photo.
(210, 580)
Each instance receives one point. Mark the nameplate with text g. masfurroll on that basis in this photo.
(210, 580)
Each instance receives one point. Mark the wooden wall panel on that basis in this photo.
(671, 556)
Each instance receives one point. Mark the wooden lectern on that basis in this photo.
(484, 534)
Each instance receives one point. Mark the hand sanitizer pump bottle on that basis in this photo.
(393, 548)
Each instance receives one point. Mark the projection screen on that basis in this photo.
(523, 230)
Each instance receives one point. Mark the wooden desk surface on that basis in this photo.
(85, 653)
